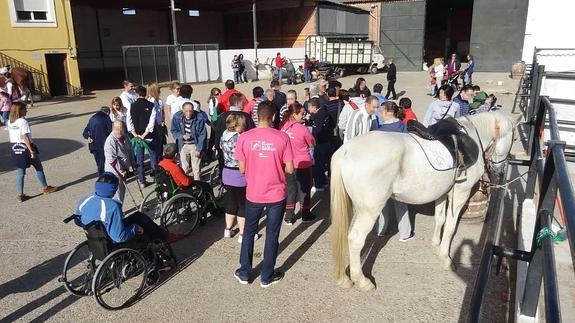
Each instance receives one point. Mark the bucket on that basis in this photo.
(517, 70)
(476, 207)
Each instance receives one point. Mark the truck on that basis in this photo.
(346, 55)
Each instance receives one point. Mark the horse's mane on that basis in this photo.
(486, 121)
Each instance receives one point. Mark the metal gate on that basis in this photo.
(190, 63)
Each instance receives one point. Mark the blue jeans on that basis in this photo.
(275, 213)
(307, 75)
(279, 74)
(140, 160)
(5, 116)
(237, 76)
(321, 156)
(22, 172)
(100, 160)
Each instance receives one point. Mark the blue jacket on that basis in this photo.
(397, 126)
(98, 128)
(198, 130)
(108, 211)
(463, 105)
(470, 67)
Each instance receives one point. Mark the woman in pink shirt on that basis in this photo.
(5, 105)
(300, 182)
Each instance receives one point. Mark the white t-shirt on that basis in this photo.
(127, 99)
(439, 70)
(17, 129)
(171, 99)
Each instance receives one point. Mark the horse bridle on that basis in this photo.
(487, 154)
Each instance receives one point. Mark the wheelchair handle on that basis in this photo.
(70, 218)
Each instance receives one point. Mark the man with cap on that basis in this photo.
(100, 206)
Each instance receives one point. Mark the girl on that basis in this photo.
(214, 104)
(438, 72)
(118, 111)
(469, 70)
(5, 105)
(392, 115)
(160, 129)
(232, 178)
(24, 151)
(300, 182)
(242, 70)
(360, 88)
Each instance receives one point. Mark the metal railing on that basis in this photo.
(549, 175)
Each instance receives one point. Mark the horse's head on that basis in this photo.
(502, 132)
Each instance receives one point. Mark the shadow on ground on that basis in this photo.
(49, 148)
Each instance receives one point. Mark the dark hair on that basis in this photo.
(314, 102)
(258, 91)
(235, 99)
(229, 84)
(292, 109)
(141, 91)
(170, 150)
(344, 95)
(471, 57)
(358, 83)
(126, 82)
(476, 88)
(274, 83)
(466, 87)
(107, 178)
(448, 90)
(266, 111)
(371, 99)
(106, 110)
(334, 83)
(331, 92)
(397, 110)
(405, 103)
(186, 91)
(377, 88)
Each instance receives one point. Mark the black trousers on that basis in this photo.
(151, 229)
(391, 89)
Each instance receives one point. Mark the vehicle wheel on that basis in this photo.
(180, 214)
(373, 69)
(152, 206)
(216, 183)
(120, 279)
(78, 270)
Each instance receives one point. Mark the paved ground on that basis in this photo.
(411, 286)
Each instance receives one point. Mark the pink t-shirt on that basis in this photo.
(264, 151)
(300, 140)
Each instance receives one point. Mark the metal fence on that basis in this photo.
(550, 175)
(190, 63)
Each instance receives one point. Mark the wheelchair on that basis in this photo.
(114, 273)
(175, 210)
(216, 182)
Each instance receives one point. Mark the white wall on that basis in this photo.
(265, 56)
(549, 25)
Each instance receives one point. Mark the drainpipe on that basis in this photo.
(255, 26)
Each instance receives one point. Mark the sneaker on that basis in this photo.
(307, 218)
(50, 189)
(289, 222)
(242, 281)
(144, 184)
(22, 198)
(227, 233)
(173, 237)
(411, 237)
(276, 278)
(240, 238)
(317, 189)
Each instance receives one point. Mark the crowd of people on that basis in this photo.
(441, 73)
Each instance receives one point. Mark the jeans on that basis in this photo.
(151, 229)
(307, 75)
(391, 89)
(22, 172)
(321, 155)
(100, 160)
(467, 79)
(298, 190)
(253, 214)
(279, 69)
(140, 160)
(5, 116)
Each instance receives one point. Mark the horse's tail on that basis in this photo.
(340, 215)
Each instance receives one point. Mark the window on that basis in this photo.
(128, 12)
(193, 13)
(32, 13)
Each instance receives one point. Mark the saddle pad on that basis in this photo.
(437, 154)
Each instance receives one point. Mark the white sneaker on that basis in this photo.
(227, 233)
(317, 189)
(240, 239)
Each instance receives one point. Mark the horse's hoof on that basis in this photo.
(435, 250)
(345, 282)
(365, 285)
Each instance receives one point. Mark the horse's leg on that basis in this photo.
(439, 221)
(362, 224)
(457, 198)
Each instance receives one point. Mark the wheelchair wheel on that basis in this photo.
(180, 214)
(120, 279)
(78, 270)
(152, 206)
(216, 183)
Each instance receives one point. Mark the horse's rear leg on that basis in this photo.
(362, 224)
(439, 221)
(457, 199)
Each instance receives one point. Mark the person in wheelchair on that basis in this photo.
(101, 207)
(202, 190)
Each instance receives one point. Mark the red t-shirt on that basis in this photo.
(409, 115)
(176, 172)
(225, 98)
(279, 61)
(264, 152)
(300, 141)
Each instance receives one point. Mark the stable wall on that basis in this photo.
(27, 45)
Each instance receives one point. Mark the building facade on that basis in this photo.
(38, 35)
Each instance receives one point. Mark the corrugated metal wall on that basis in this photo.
(402, 33)
(342, 21)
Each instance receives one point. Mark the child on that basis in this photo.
(5, 104)
(405, 103)
(488, 104)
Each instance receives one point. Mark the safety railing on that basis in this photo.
(550, 175)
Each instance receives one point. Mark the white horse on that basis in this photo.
(377, 166)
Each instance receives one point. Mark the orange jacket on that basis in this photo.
(176, 172)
